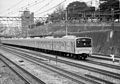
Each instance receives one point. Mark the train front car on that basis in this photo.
(83, 47)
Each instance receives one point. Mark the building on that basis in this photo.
(27, 19)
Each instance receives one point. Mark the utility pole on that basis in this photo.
(112, 10)
(66, 20)
(119, 10)
(99, 10)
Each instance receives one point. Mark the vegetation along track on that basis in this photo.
(27, 77)
(114, 75)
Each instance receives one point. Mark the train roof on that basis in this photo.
(73, 37)
(69, 37)
(49, 37)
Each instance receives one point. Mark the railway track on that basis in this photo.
(87, 61)
(80, 79)
(104, 64)
(114, 75)
(27, 77)
(105, 57)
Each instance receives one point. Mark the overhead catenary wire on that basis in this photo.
(51, 8)
(33, 4)
(25, 6)
(18, 9)
(43, 6)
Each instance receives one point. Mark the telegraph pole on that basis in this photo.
(99, 10)
(119, 10)
(66, 20)
(112, 10)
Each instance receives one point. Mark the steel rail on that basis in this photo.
(88, 61)
(80, 66)
(27, 81)
(73, 76)
(104, 64)
(104, 58)
(104, 72)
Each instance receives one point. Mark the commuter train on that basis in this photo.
(72, 46)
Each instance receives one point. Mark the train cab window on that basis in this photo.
(83, 42)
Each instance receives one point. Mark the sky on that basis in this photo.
(40, 7)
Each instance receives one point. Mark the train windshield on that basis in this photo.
(83, 42)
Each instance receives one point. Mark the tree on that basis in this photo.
(108, 5)
(58, 14)
(77, 6)
(76, 9)
(59, 9)
(39, 23)
(2, 27)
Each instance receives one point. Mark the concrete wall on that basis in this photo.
(104, 42)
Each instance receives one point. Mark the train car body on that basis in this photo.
(77, 47)
(64, 45)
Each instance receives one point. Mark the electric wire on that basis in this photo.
(30, 5)
(43, 6)
(51, 8)
(33, 4)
